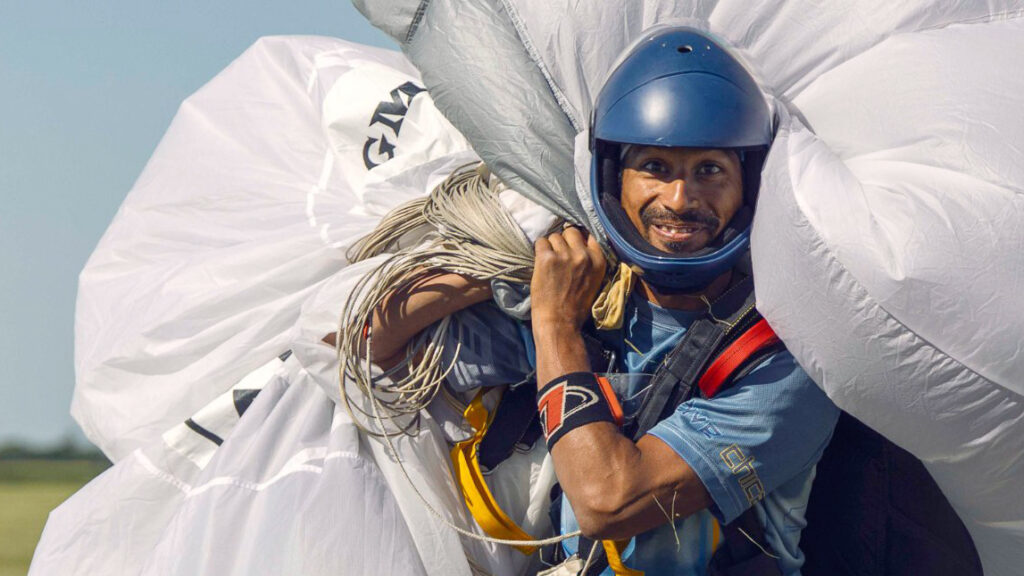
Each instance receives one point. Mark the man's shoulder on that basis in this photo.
(779, 369)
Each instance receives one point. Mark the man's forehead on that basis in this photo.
(642, 150)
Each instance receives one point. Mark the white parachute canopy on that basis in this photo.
(228, 252)
(264, 179)
(889, 232)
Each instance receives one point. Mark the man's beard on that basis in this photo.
(703, 218)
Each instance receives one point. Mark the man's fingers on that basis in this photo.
(574, 238)
(578, 253)
(558, 244)
(596, 254)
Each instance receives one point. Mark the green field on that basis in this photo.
(29, 489)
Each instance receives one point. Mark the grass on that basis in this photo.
(49, 471)
(29, 490)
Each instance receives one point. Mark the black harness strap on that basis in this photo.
(517, 423)
(678, 373)
(744, 551)
(675, 379)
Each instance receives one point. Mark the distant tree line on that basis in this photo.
(66, 449)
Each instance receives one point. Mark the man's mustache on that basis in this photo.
(653, 215)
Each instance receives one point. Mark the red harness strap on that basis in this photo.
(757, 337)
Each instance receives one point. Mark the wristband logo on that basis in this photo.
(552, 405)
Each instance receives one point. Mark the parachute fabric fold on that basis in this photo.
(268, 501)
(486, 82)
(332, 136)
(265, 177)
(897, 279)
(889, 230)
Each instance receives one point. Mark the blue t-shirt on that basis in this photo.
(754, 444)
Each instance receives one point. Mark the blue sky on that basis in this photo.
(88, 89)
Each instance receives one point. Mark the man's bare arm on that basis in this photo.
(617, 488)
(404, 313)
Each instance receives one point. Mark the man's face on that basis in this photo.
(680, 199)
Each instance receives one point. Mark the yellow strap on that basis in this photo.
(610, 306)
(613, 550)
(470, 480)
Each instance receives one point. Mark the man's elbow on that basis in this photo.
(601, 528)
(602, 515)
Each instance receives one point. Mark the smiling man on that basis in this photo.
(723, 446)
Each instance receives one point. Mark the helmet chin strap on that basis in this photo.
(691, 292)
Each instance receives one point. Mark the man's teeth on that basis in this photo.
(678, 229)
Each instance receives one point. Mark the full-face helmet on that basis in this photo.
(678, 87)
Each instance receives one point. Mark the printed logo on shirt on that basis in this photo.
(701, 422)
(742, 467)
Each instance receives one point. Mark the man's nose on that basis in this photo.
(674, 196)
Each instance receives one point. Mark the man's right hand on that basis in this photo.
(568, 270)
(567, 275)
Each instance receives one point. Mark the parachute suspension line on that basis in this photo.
(395, 225)
(470, 232)
(464, 228)
(590, 558)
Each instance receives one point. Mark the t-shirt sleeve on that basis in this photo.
(754, 436)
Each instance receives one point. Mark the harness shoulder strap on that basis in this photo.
(759, 337)
(673, 383)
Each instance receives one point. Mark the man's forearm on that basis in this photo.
(404, 313)
(617, 487)
(560, 350)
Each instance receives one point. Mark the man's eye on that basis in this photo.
(653, 166)
(709, 169)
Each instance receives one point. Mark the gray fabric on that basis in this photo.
(394, 17)
(483, 80)
(512, 299)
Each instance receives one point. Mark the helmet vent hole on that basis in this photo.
(685, 49)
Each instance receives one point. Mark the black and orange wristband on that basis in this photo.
(573, 400)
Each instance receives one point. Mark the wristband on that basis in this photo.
(573, 400)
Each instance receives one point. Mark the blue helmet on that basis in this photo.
(678, 87)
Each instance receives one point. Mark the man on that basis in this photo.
(679, 134)
(680, 130)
